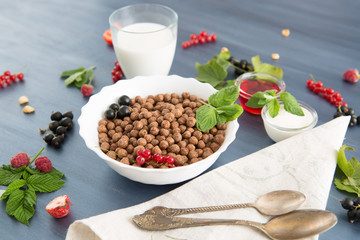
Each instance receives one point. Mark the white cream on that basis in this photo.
(145, 49)
(285, 124)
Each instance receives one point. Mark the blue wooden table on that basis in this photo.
(48, 37)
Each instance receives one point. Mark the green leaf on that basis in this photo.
(73, 77)
(290, 104)
(343, 163)
(222, 59)
(212, 73)
(68, 73)
(356, 165)
(348, 188)
(44, 183)
(12, 187)
(230, 112)
(21, 205)
(266, 68)
(225, 96)
(8, 174)
(273, 107)
(53, 172)
(230, 82)
(206, 118)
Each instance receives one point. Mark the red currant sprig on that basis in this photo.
(117, 73)
(7, 78)
(200, 38)
(329, 94)
(144, 156)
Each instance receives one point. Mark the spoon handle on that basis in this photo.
(181, 211)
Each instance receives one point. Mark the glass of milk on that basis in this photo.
(144, 38)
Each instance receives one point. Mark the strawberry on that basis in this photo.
(351, 75)
(87, 90)
(19, 160)
(43, 164)
(59, 207)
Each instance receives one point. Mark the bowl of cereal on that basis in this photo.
(145, 129)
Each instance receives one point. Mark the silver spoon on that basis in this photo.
(272, 203)
(294, 225)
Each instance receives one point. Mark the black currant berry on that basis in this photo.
(68, 114)
(356, 201)
(66, 122)
(338, 114)
(243, 63)
(114, 106)
(233, 60)
(123, 112)
(56, 141)
(48, 138)
(60, 130)
(351, 215)
(347, 203)
(56, 116)
(53, 125)
(110, 114)
(353, 121)
(350, 112)
(124, 100)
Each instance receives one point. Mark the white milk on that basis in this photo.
(145, 49)
(285, 124)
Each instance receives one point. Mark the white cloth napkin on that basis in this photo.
(305, 162)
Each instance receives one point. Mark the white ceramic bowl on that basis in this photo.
(93, 111)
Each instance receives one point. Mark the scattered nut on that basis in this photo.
(28, 109)
(23, 100)
(224, 49)
(275, 56)
(285, 32)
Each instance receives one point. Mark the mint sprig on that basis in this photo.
(23, 183)
(220, 109)
(215, 71)
(270, 97)
(78, 76)
(350, 179)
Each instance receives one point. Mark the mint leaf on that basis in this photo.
(345, 187)
(68, 73)
(356, 165)
(229, 113)
(266, 68)
(273, 108)
(225, 96)
(12, 187)
(290, 104)
(73, 77)
(258, 100)
(212, 73)
(206, 118)
(44, 183)
(222, 59)
(342, 162)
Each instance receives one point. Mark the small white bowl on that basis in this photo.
(93, 111)
(286, 125)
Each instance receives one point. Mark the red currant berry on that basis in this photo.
(336, 95)
(115, 79)
(309, 82)
(213, 37)
(201, 40)
(323, 90)
(319, 84)
(203, 33)
(7, 73)
(185, 45)
(193, 36)
(2, 78)
(208, 38)
(325, 96)
(195, 41)
(344, 104)
(330, 91)
(2, 83)
(316, 90)
(117, 68)
(338, 103)
(146, 153)
(119, 75)
(140, 160)
(333, 100)
(113, 72)
(12, 77)
(117, 63)
(7, 81)
(158, 158)
(339, 98)
(139, 152)
(312, 87)
(170, 160)
(20, 76)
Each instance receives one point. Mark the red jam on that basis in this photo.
(249, 87)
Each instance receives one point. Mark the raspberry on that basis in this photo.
(351, 75)
(59, 207)
(43, 164)
(87, 90)
(19, 160)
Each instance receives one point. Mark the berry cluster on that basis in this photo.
(345, 111)
(42, 163)
(144, 157)
(118, 110)
(353, 207)
(117, 73)
(8, 78)
(329, 94)
(59, 125)
(241, 66)
(200, 38)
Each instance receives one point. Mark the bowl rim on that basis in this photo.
(229, 137)
(313, 112)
